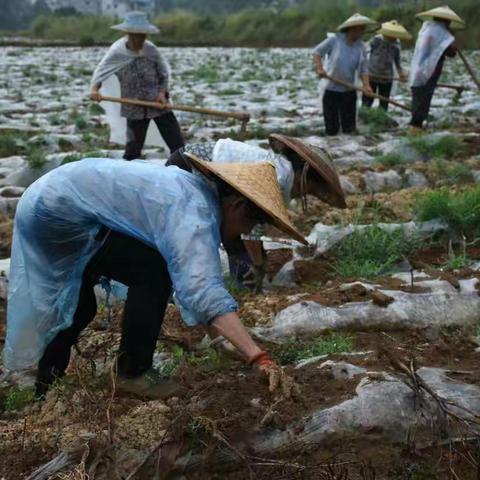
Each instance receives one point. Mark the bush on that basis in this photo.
(461, 211)
(371, 252)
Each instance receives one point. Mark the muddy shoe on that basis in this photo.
(150, 385)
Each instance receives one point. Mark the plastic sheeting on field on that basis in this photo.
(58, 218)
(433, 39)
(231, 151)
(118, 57)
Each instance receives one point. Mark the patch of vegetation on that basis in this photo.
(452, 174)
(36, 158)
(330, 344)
(71, 158)
(376, 118)
(18, 398)
(207, 361)
(96, 109)
(371, 252)
(447, 146)
(460, 210)
(231, 91)
(391, 159)
(8, 145)
(458, 262)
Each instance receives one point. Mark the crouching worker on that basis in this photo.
(301, 169)
(152, 229)
(347, 58)
(384, 52)
(435, 42)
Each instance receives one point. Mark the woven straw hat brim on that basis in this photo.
(152, 30)
(446, 13)
(257, 182)
(358, 20)
(320, 165)
(394, 30)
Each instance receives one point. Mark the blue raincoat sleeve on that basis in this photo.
(56, 223)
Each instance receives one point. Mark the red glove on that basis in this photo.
(276, 376)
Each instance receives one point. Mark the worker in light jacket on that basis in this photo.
(435, 42)
(143, 75)
(347, 58)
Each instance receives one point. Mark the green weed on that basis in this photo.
(449, 174)
(36, 158)
(457, 262)
(447, 146)
(371, 252)
(96, 109)
(18, 398)
(330, 344)
(8, 145)
(71, 158)
(376, 118)
(461, 211)
(207, 361)
(390, 159)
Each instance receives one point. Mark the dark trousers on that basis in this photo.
(144, 271)
(339, 108)
(421, 100)
(383, 89)
(137, 131)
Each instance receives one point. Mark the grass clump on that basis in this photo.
(449, 174)
(208, 361)
(460, 210)
(390, 159)
(36, 158)
(328, 345)
(447, 146)
(8, 145)
(18, 399)
(376, 118)
(371, 252)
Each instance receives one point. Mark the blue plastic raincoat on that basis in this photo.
(56, 223)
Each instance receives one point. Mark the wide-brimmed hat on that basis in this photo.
(393, 29)
(136, 22)
(258, 183)
(445, 13)
(318, 159)
(358, 20)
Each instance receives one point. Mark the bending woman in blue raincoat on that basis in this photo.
(152, 229)
(301, 169)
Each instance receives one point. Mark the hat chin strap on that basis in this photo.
(303, 187)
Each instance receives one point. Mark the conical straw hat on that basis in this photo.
(445, 13)
(394, 30)
(318, 160)
(257, 182)
(358, 20)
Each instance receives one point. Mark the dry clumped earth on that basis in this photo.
(370, 408)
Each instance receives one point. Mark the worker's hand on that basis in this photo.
(368, 88)
(278, 380)
(95, 95)
(403, 77)
(254, 278)
(322, 73)
(162, 97)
